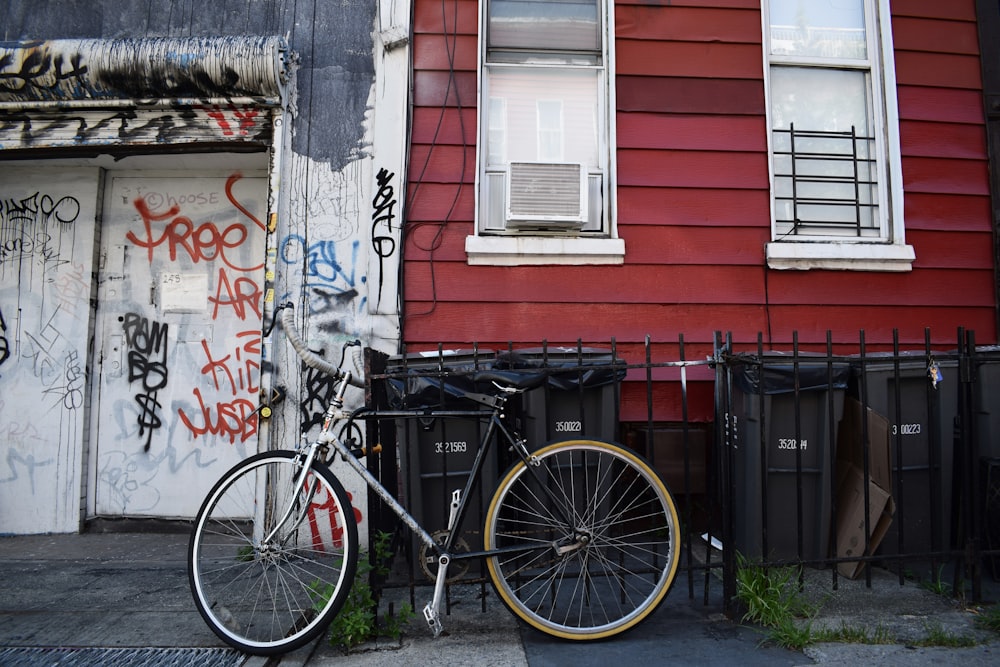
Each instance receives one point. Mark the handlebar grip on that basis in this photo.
(310, 358)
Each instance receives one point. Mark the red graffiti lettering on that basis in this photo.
(244, 373)
(243, 296)
(336, 531)
(247, 120)
(202, 242)
(237, 419)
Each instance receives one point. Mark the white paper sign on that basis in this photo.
(183, 292)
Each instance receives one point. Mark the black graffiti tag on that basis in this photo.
(147, 363)
(4, 345)
(319, 388)
(40, 207)
(383, 243)
(40, 69)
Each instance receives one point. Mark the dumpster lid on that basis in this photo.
(774, 372)
(435, 379)
(567, 367)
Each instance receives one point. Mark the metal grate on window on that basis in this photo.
(825, 183)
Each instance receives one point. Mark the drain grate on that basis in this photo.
(120, 657)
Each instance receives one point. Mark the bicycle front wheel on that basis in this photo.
(586, 535)
(271, 561)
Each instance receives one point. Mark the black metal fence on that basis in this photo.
(881, 456)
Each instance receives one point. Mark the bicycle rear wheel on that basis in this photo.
(589, 540)
(267, 586)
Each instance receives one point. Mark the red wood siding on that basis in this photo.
(693, 200)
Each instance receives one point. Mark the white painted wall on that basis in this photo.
(47, 222)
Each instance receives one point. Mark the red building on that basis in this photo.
(588, 170)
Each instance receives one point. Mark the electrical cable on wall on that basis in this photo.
(436, 240)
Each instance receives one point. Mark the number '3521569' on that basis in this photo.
(451, 447)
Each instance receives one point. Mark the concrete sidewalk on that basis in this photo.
(123, 598)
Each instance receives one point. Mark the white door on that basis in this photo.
(178, 337)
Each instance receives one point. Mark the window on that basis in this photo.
(545, 182)
(834, 142)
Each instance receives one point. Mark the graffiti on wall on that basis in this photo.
(30, 228)
(185, 299)
(40, 207)
(46, 246)
(383, 217)
(173, 239)
(4, 345)
(189, 124)
(236, 374)
(220, 73)
(71, 69)
(146, 343)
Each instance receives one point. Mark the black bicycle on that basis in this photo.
(580, 537)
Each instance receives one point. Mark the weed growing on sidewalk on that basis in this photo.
(773, 599)
(357, 622)
(937, 585)
(849, 634)
(938, 636)
(989, 619)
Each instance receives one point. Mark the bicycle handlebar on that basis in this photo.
(310, 358)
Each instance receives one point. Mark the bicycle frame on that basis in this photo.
(494, 426)
(459, 503)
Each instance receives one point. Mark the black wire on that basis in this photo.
(436, 240)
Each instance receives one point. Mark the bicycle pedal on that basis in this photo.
(433, 620)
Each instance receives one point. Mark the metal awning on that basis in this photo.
(115, 72)
(136, 93)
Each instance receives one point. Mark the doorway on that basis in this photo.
(177, 337)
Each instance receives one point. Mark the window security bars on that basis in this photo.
(825, 183)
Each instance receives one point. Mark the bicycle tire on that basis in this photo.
(592, 534)
(271, 597)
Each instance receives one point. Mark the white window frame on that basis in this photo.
(889, 251)
(514, 246)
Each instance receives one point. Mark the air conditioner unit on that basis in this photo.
(546, 194)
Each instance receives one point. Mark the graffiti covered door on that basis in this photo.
(179, 336)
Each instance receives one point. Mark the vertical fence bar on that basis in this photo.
(714, 481)
(935, 459)
(797, 409)
(761, 454)
(724, 435)
(688, 491)
(866, 473)
(831, 424)
(968, 447)
(899, 489)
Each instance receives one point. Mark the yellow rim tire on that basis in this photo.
(593, 540)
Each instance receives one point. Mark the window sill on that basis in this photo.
(540, 250)
(840, 256)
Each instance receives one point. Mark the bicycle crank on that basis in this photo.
(429, 559)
